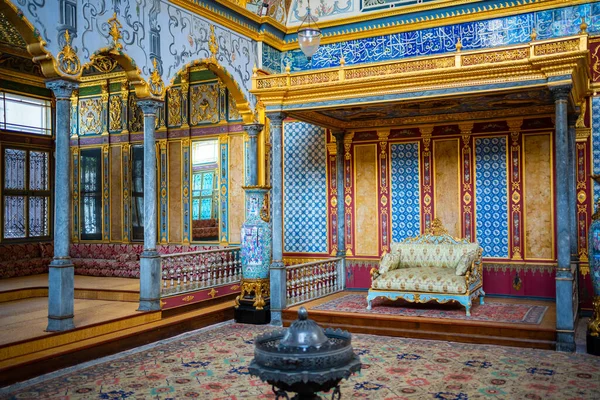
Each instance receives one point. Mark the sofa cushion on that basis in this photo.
(465, 262)
(433, 255)
(424, 279)
(389, 262)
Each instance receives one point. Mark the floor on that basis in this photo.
(81, 282)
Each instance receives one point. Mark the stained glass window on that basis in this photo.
(137, 192)
(91, 194)
(205, 194)
(26, 193)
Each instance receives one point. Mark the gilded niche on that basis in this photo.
(174, 104)
(204, 104)
(136, 116)
(233, 112)
(114, 113)
(90, 116)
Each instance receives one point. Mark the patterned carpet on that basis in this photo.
(212, 364)
(492, 312)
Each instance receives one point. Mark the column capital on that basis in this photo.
(338, 134)
(62, 88)
(150, 106)
(253, 129)
(561, 92)
(514, 125)
(276, 118)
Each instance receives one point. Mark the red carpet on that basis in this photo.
(492, 312)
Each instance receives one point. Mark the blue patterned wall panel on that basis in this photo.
(491, 194)
(305, 188)
(271, 59)
(596, 145)
(406, 206)
(474, 35)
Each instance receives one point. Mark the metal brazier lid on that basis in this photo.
(303, 333)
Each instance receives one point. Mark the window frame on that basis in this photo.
(216, 187)
(47, 131)
(97, 194)
(27, 192)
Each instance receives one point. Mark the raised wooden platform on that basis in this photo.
(106, 322)
(542, 336)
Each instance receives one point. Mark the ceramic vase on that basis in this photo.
(256, 238)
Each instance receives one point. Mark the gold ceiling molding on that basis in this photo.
(543, 60)
(476, 12)
(317, 118)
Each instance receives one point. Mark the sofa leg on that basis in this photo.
(481, 301)
(468, 307)
(368, 304)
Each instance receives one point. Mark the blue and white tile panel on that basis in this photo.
(406, 205)
(491, 193)
(304, 188)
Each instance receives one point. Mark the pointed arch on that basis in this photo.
(32, 37)
(234, 88)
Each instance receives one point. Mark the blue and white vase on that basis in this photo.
(256, 237)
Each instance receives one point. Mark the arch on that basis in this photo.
(133, 73)
(35, 43)
(243, 105)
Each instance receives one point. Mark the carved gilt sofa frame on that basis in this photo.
(437, 235)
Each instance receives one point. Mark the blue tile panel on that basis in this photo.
(271, 59)
(596, 145)
(474, 35)
(305, 188)
(491, 194)
(406, 205)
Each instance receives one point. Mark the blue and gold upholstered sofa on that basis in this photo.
(431, 267)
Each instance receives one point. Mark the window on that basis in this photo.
(25, 114)
(205, 193)
(26, 193)
(137, 192)
(91, 194)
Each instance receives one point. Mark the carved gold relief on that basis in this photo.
(68, 62)
(157, 86)
(90, 112)
(213, 45)
(204, 100)
(115, 31)
(174, 102)
(234, 113)
(136, 117)
(499, 56)
(556, 47)
(259, 287)
(103, 64)
(114, 113)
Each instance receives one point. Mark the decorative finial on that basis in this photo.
(302, 314)
(254, 71)
(342, 61)
(583, 27)
(68, 62)
(157, 86)
(458, 44)
(533, 34)
(288, 68)
(213, 45)
(115, 32)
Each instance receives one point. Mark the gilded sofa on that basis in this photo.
(431, 267)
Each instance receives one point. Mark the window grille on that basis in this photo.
(91, 194)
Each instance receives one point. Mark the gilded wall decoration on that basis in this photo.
(232, 111)
(103, 64)
(204, 103)
(174, 106)
(114, 113)
(90, 116)
(136, 116)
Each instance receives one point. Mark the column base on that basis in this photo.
(60, 324)
(593, 344)
(565, 341)
(246, 313)
(276, 318)
(149, 305)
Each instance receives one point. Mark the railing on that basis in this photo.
(313, 280)
(185, 272)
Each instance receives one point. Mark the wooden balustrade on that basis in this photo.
(313, 280)
(186, 272)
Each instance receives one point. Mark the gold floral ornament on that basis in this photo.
(68, 62)
(213, 45)
(115, 32)
(157, 86)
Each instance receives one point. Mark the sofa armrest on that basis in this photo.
(475, 272)
(374, 273)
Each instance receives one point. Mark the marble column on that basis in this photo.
(572, 185)
(277, 270)
(252, 156)
(150, 271)
(565, 333)
(61, 291)
(341, 231)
